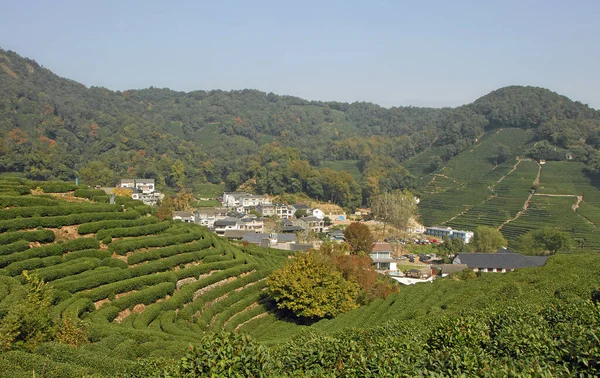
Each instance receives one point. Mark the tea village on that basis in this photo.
(254, 219)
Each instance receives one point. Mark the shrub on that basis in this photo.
(133, 231)
(168, 251)
(121, 247)
(18, 246)
(42, 236)
(91, 227)
(125, 285)
(47, 211)
(54, 186)
(60, 221)
(50, 250)
(89, 193)
(9, 201)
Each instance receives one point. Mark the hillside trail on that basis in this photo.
(528, 200)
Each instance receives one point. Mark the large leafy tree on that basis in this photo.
(545, 241)
(359, 238)
(487, 239)
(311, 287)
(395, 208)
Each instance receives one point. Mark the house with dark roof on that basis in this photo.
(225, 224)
(185, 216)
(278, 241)
(502, 261)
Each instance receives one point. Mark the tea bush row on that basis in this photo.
(64, 220)
(10, 201)
(48, 211)
(17, 246)
(121, 247)
(150, 229)
(160, 253)
(89, 193)
(49, 250)
(92, 227)
(42, 236)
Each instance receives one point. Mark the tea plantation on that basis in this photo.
(471, 191)
(164, 298)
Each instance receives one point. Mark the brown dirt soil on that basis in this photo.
(139, 308)
(117, 296)
(122, 315)
(119, 257)
(101, 303)
(66, 233)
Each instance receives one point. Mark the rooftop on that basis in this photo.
(382, 247)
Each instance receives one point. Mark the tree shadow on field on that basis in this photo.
(286, 315)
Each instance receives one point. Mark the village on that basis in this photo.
(255, 219)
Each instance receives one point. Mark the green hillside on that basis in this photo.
(130, 294)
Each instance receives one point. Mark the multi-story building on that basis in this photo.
(443, 232)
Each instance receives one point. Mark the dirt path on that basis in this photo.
(539, 174)
(575, 206)
(525, 207)
(514, 168)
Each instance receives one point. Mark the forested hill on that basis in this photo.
(55, 128)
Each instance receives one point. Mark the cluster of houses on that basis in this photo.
(241, 217)
(143, 190)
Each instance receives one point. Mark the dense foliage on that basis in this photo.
(54, 128)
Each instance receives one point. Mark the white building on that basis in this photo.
(381, 254)
(443, 232)
(318, 213)
(225, 224)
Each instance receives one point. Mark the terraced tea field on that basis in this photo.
(469, 192)
(469, 179)
(145, 287)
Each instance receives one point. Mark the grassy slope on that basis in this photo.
(534, 286)
(465, 180)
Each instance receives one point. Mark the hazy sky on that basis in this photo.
(422, 53)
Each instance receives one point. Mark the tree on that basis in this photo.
(165, 208)
(28, 322)
(501, 154)
(545, 241)
(359, 238)
(452, 246)
(395, 208)
(487, 239)
(311, 287)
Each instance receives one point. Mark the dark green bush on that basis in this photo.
(92, 279)
(159, 253)
(64, 220)
(89, 193)
(49, 250)
(9, 201)
(18, 246)
(91, 227)
(150, 229)
(121, 247)
(48, 211)
(54, 186)
(67, 269)
(43, 236)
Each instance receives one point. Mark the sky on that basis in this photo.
(392, 53)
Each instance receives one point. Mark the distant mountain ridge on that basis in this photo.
(56, 128)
